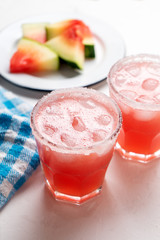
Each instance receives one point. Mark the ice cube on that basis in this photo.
(99, 135)
(103, 119)
(68, 140)
(54, 110)
(150, 84)
(144, 99)
(78, 124)
(129, 94)
(144, 115)
(134, 70)
(88, 103)
(132, 82)
(120, 79)
(51, 110)
(154, 68)
(49, 129)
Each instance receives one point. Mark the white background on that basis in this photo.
(129, 206)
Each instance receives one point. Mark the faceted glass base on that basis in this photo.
(142, 158)
(72, 199)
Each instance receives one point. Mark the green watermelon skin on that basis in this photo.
(32, 56)
(89, 51)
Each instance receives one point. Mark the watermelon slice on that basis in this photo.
(35, 31)
(82, 30)
(33, 56)
(55, 29)
(69, 47)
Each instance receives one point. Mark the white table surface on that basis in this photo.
(129, 206)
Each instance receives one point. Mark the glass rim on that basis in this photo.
(46, 142)
(127, 59)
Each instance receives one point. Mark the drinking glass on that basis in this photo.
(134, 83)
(75, 172)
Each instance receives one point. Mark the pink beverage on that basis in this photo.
(75, 130)
(134, 83)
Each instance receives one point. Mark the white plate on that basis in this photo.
(109, 47)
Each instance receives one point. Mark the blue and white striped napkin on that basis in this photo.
(18, 154)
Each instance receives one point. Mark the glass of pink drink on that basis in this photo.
(134, 83)
(75, 130)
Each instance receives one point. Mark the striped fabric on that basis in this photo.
(18, 155)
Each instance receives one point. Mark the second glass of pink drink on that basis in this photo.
(134, 83)
(75, 130)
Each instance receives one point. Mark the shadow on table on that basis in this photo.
(135, 183)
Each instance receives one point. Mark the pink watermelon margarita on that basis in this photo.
(134, 83)
(75, 130)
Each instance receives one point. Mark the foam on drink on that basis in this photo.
(139, 81)
(75, 121)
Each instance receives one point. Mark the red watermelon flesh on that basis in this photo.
(38, 37)
(32, 56)
(35, 31)
(58, 28)
(23, 62)
(72, 37)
